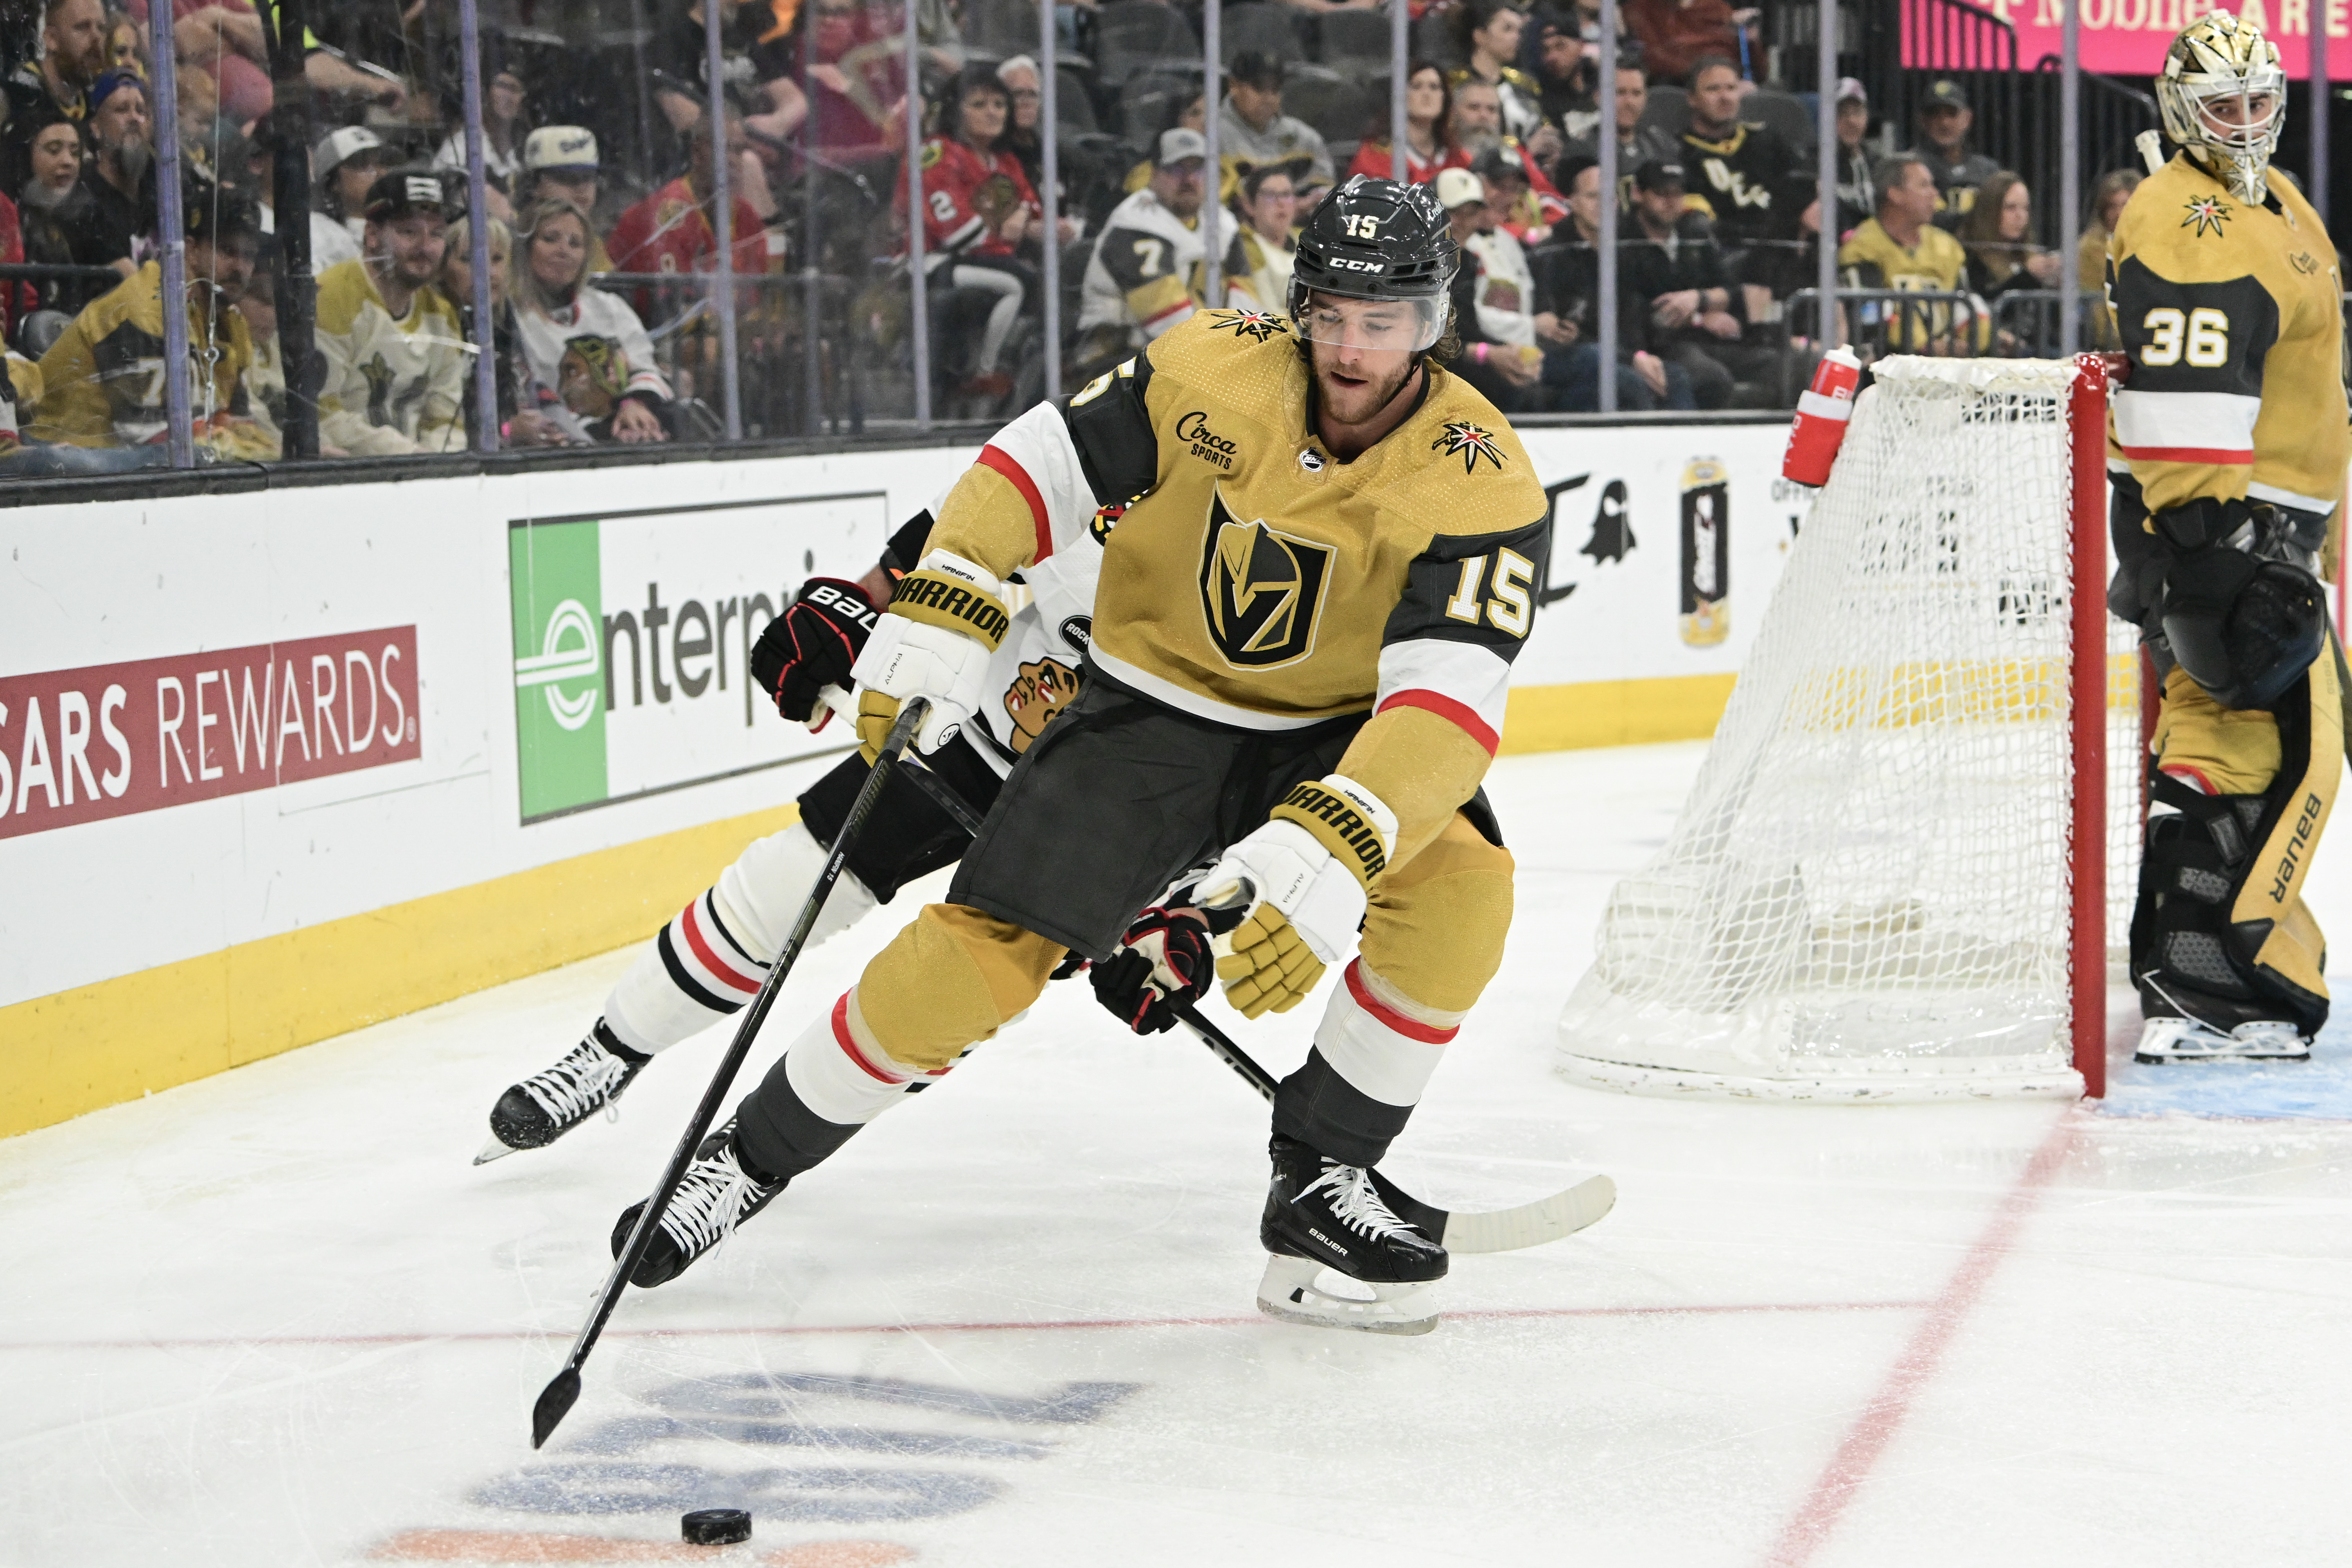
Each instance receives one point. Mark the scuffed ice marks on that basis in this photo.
(650, 1464)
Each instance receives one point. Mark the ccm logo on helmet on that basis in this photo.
(1349, 264)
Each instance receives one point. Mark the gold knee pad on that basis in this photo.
(953, 977)
(2233, 751)
(1436, 923)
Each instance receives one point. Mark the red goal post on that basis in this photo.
(1905, 869)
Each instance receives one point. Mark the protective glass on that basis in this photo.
(1411, 325)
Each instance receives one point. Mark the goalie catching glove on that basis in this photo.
(812, 645)
(1314, 862)
(934, 642)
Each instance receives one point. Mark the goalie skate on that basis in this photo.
(540, 1109)
(2185, 1040)
(1319, 1215)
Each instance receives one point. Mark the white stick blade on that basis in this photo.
(1532, 1224)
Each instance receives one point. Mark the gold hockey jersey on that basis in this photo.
(1254, 581)
(2232, 316)
(393, 385)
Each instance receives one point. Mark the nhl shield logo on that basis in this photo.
(1261, 591)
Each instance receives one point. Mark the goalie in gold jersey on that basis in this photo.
(1301, 640)
(2226, 448)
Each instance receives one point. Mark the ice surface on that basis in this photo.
(275, 1317)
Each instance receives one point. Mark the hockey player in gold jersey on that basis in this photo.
(1301, 640)
(2226, 448)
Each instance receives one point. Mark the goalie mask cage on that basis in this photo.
(1896, 877)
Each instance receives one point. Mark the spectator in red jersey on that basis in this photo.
(1430, 145)
(1676, 34)
(674, 230)
(12, 250)
(978, 211)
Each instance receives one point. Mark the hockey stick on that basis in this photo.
(1564, 1213)
(555, 1401)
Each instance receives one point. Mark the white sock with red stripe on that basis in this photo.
(1381, 1041)
(709, 961)
(842, 1073)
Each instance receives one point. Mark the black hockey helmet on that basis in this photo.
(1376, 239)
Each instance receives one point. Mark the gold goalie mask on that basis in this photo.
(2223, 95)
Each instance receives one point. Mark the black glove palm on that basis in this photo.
(812, 645)
(1163, 959)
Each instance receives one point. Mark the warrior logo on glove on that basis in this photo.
(1262, 592)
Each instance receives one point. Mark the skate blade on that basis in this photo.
(2239, 1054)
(496, 1149)
(1288, 1293)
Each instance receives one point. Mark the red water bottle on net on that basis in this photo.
(1823, 411)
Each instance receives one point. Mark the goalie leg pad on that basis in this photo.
(951, 980)
(2221, 933)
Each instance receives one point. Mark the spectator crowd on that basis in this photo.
(603, 170)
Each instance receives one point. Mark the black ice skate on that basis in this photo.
(540, 1109)
(1320, 1213)
(714, 1197)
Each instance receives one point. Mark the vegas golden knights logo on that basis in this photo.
(1262, 591)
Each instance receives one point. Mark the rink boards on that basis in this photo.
(276, 765)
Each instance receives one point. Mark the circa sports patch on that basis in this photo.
(1262, 591)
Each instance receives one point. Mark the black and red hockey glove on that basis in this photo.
(811, 646)
(1162, 960)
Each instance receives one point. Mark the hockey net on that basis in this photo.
(1885, 884)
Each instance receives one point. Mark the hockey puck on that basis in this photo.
(715, 1527)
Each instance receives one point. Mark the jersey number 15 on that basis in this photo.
(1510, 609)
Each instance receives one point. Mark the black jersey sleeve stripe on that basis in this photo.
(1473, 588)
(1110, 425)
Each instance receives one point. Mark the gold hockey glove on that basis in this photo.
(1265, 965)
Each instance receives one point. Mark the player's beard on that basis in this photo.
(1357, 401)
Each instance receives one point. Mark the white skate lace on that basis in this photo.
(579, 1084)
(1355, 1202)
(713, 1195)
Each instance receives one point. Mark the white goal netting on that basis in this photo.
(1866, 896)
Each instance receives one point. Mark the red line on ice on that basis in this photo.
(1491, 1314)
(1874, 1430)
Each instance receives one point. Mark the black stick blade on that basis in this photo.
(555, 1402)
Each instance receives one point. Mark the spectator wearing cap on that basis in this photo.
(1676, 270)
(1567, 285)
(502, 107)
(1253, 131)
(344, 167)
(1190, 112)
(1945, 119)
(395, 353)
(592, 370)
(123, 186)
(1478, 121)
(1268, 239)
(1636, 144)
(53, 82)
(1146, 273)
(1524, 202)
(1676, 34)
(103, 386)
(1492, 298)
(57, 218)
(1854, 198)
(1430, 146)
(329, 241)
(559, 163)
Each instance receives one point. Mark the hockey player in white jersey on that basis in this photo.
(708, 961)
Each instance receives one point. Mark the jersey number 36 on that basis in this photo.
(2201, 336)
